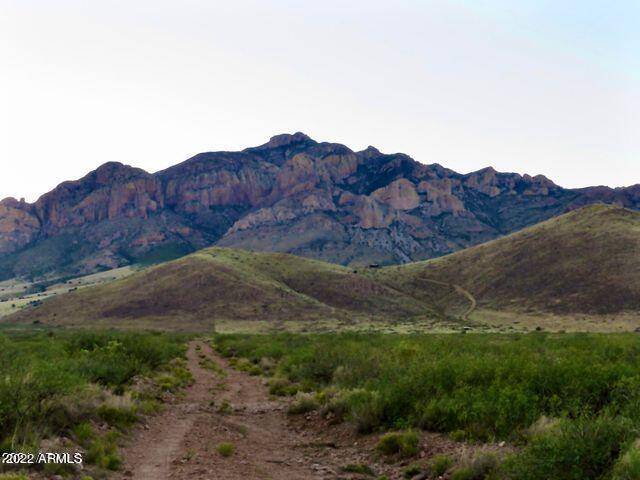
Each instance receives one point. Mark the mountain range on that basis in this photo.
(295, 195)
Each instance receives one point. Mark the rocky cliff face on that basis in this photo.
(291, 194)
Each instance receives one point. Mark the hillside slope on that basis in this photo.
(216, 285)
(293, 194)
(586, 261)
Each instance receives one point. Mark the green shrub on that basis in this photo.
(627, 467)
(225, 407)
(464, 473)
(358, 468)
(404, 444)
(439, 464)
(226, 449)
(120, 417)
(365, 409)
(282, 387)
(578, 449)
(304, 403)
(479, 466)
(84, 434)
(334, 403)
(102, 450)
(412, 470)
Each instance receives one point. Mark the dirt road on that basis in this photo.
(227, 406)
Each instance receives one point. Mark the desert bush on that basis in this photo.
(577, 449)
(226, 449)
(627, 467)
(304, 403)
(364, 409)
(490, 386)
(412, 470)
(479, 465)
(282, 386)
(404, 444)
(439, 464)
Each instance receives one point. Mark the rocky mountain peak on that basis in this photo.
(11, 202)
(370, 152)
(110, 172)
(285, 140)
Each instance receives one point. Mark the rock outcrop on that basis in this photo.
(291, 194)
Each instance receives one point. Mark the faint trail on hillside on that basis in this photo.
(472, 301)
(462, 291)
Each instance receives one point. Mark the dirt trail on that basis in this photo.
(462, 291)
(257, 427)
(228, 406)
(154, 448)
(471, 298)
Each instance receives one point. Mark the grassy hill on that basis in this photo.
(585, 262)
(577, 269)
(217, 285)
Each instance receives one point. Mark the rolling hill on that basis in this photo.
(217, 285)
(585, 262)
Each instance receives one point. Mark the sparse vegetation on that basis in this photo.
(225, 408)
(226, 449)
(217, 284)
(583, 262)
(358, 468)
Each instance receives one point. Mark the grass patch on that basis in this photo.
(226, 449)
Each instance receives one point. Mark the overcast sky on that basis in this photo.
(548, 87)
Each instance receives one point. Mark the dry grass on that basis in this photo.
(579, 271)
(587, 262)
(218, 286)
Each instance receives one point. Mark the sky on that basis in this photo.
(538, 87)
